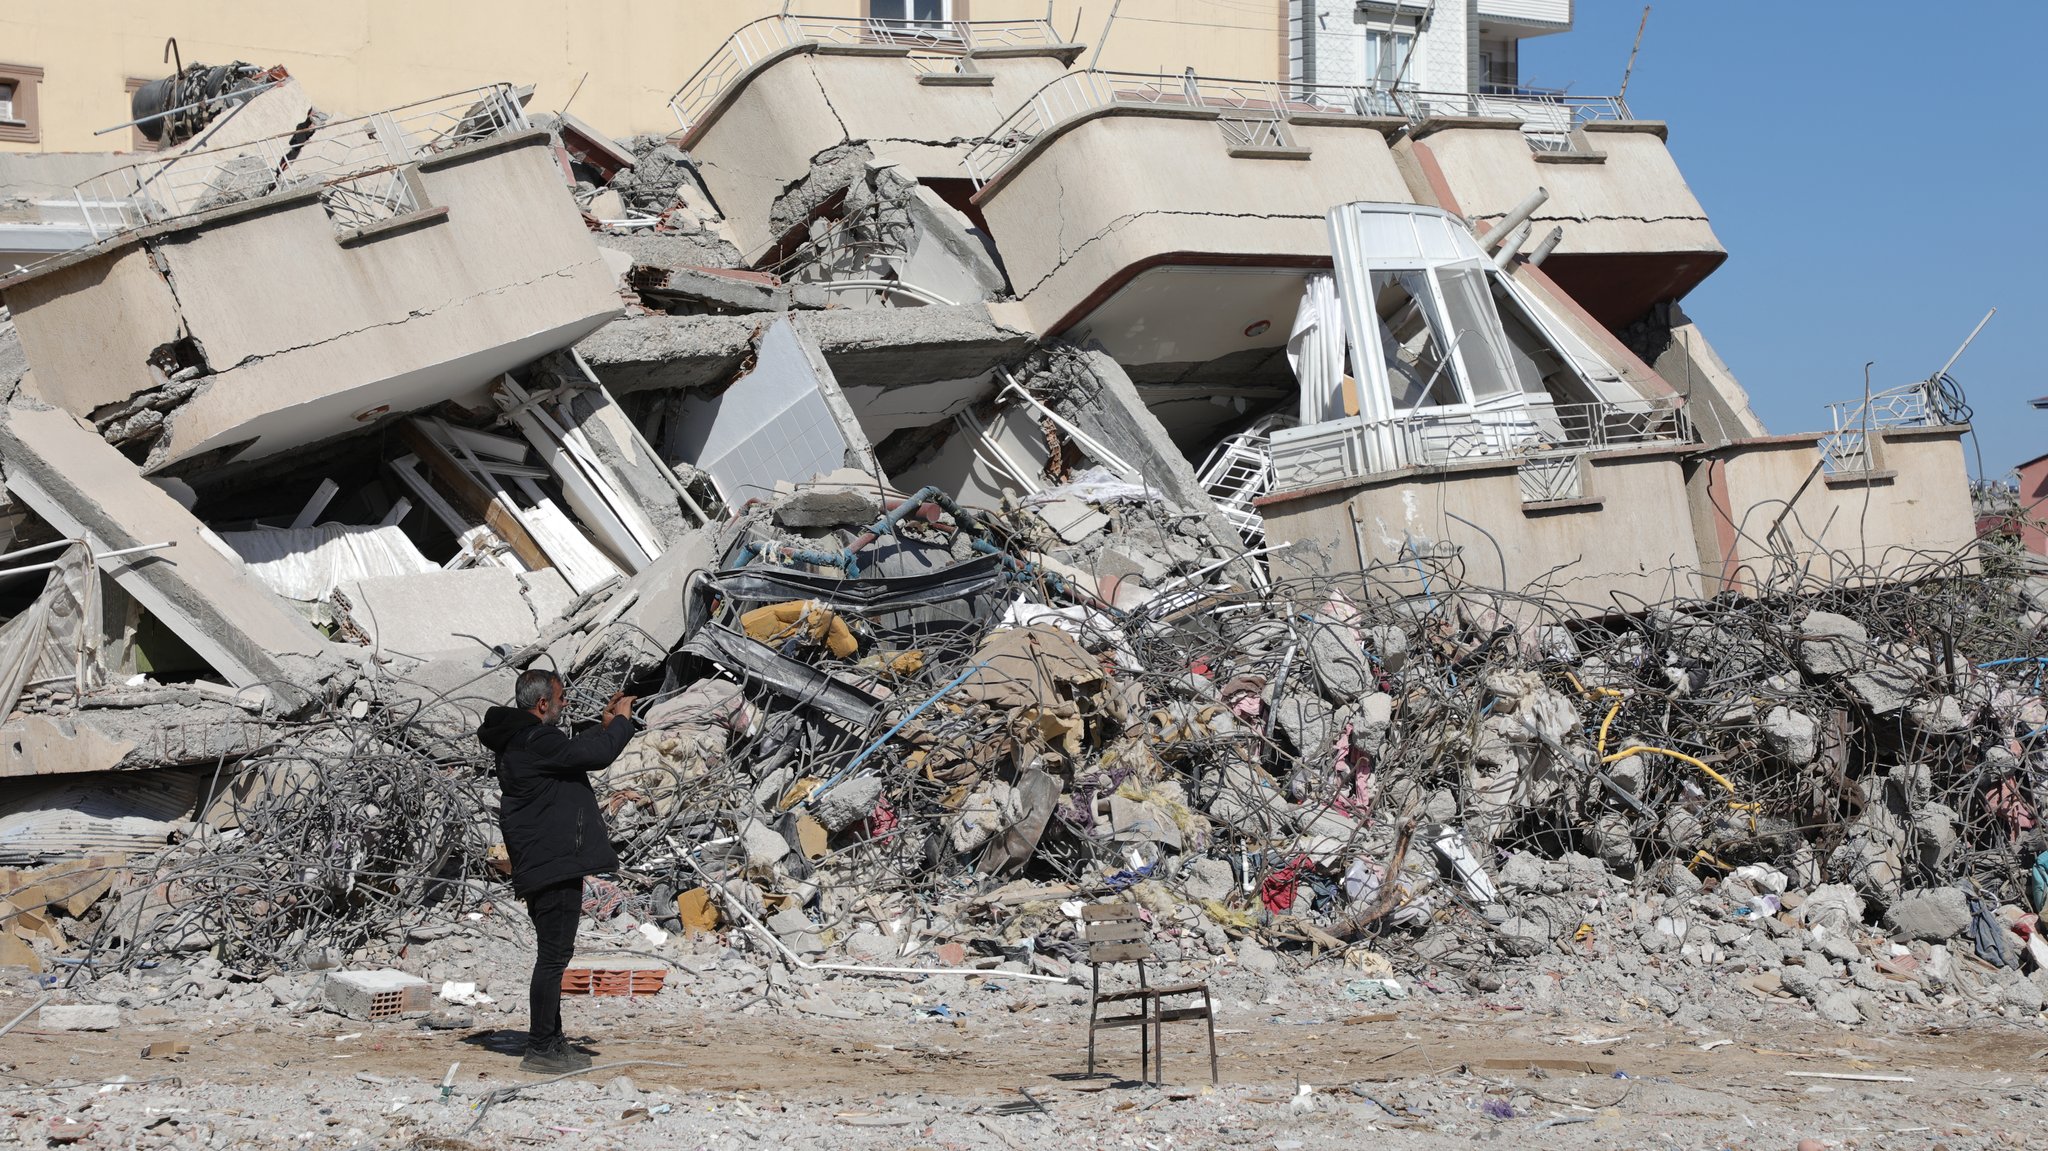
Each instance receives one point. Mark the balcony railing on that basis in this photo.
(1542, 436)
(1548, 120)
(1846, 448)
(358, 162)
(929, 42)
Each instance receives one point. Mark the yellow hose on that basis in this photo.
(1716, 776)
(1603, 728)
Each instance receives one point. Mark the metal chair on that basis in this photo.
(1116, 933)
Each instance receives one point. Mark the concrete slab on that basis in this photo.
(867, 347)
(86, 489)
(445, 611)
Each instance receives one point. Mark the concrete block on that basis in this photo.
(848, 802)
(378, 994)
(827, 507)
(1831, 644)
(1792, 736)
(79, 1017)
(443, 611)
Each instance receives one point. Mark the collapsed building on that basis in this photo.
(991, 470)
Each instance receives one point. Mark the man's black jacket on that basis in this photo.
(553, 829)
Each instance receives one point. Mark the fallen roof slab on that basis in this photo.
(86, 489)
(872, 347)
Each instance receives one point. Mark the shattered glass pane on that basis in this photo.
(1408, 334)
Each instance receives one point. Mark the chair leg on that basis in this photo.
(1144, 1041)
(1094, 1006)
(1209, 1017)
(1160, 1043)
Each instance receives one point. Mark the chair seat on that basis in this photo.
(1152, 992)
(1108, 1022)
(1175, 1014)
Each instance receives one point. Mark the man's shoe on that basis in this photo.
(556, 1060)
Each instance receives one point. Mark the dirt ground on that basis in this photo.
(1008, 1071)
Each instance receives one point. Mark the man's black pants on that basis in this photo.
(555, 909)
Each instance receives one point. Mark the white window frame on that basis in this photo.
(910, 19)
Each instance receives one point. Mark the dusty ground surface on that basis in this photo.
(1005, 1071)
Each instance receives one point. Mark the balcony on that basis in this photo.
(359, 166)
(786, 111)
(1634, 235)
(1536, 438)
(935, 49)
(1174, 219)
(290, 290)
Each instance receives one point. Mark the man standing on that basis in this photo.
(555, 836)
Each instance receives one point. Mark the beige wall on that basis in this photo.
(764, 140)
(321, 330)
(1633, 200)
(1123, 188)
(1915, 507)
(358, 56)
(1630, 535)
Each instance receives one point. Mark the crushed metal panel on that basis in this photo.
(83, 814)
(783, 420)
(800, 681)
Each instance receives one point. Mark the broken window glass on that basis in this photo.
(1472, 331)
(1410, 342)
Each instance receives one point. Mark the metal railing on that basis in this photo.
(930, 42)
(1845, 448)
(359, 162)
(1548, 120)
(1543, 432)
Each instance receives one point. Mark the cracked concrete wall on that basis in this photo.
(126, 305)
(1630, 536)
(1635, 200)
(1884, 524)
(303, 333)
(1718, 402)
(763, 143)
(1127, 189)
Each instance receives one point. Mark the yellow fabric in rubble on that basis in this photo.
(777, 622)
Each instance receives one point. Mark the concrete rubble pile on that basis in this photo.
(908, 702)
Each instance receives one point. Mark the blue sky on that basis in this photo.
(1875, 170)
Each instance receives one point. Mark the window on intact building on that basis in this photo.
(18, 120)
(911, 11)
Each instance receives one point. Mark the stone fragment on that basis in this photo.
(1831, 644)
(1792, 736)
(1208, 878)
(79, 1017)
(849, 802)
(1884, 688)
(1840, 1007)
(1935, 915)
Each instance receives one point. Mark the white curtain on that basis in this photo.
(57, 638)
(1315, 348)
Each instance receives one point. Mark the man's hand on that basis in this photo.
(621, 707)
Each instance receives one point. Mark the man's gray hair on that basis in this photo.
(534, 688)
